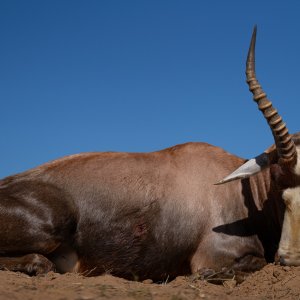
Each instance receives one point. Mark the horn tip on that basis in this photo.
(255, 28)
(254, 33)
(251, 51)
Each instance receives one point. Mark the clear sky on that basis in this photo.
(137, 76)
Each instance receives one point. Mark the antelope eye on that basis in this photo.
(288, 203)
(286, 199)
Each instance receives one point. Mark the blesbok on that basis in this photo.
(160, 214)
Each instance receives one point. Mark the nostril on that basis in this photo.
(282, 261)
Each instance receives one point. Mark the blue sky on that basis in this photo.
(137, 76)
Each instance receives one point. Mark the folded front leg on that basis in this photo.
(31, 264)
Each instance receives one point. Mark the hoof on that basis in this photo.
(36, 264)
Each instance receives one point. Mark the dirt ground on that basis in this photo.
(272, 282)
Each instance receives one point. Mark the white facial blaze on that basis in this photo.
(289, 247)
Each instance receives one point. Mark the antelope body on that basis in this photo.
(157, 215)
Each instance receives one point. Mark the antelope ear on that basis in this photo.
(252, 166)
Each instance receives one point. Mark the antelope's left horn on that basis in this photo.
(285, 146)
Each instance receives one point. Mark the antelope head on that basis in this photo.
(283, 160)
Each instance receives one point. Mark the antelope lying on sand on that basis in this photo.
(159, 214)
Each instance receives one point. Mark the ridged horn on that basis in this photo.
(284, 144)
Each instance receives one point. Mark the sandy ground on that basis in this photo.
(272, 282)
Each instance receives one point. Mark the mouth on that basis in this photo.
(289, 258)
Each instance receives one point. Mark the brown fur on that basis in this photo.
(155, 215)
